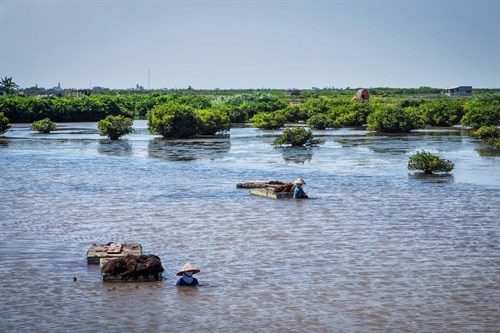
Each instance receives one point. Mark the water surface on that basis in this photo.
(378, 248)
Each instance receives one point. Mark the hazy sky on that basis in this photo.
(250, 44)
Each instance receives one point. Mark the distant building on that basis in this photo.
(58, 90)
(138, 87)
(76, 93)
(458, 91)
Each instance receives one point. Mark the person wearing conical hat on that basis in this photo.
(298, 192)
(187, 279)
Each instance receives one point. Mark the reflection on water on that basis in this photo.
(188, 149)
(297, 154)
(488, 152)
(115, 147)
(377, 250)
(432, 178)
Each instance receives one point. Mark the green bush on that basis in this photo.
(442, 112)
(352, 114)
(429, 163)
(115, 126)
(172, 120)
(4, 123)
(489, 135)
(479, 115)
(314, 106)
(292, 114)
(268, 121)
(319, 121)
(44, 126)
(296, 137)
(212, 121)
(392, 119)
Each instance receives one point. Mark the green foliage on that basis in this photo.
(392, 119)
(268, 121)
(446, 112)
(172, 120)
(429, 163)
(490, 136)
(44, 126)
(296, 137)
(4, 123)
(314, 106)
(351, 114)
(212, 121)
(115, 126)
(319, 121)
(482, 111)
(63, 109)
(293, 114)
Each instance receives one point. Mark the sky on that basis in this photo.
(250, 44)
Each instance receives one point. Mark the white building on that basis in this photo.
(458, 91)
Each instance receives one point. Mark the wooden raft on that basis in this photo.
(272, 189)
(111, 250)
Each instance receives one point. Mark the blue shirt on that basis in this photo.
(299, 192)
(181, 282)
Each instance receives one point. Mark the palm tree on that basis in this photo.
(8, 85)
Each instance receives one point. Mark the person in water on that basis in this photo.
(187, 278)
(298, 192)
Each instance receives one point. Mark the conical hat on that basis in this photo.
(187, 268)
(300, 181)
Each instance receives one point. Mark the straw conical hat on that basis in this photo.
(187, 268)
(300, 181)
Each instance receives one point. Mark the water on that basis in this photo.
(376, 249)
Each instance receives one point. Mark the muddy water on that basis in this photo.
(376, 249)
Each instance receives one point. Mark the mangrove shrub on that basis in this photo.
(393, 119)
(172, 120)
(296, 137)
(268, 121)
(4, 123)
(115, 126)
(481, 112)
(429, 163)
(44, 126)
(489, 135)
(442, 112)
(319, 121)
(212, 121)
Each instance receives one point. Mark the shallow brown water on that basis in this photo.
(376, 249)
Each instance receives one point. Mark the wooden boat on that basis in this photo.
(271, 189)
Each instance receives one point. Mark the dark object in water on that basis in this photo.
(273, 189)
(133, 267)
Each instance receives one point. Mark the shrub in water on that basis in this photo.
(489, 135)
(172, 120)
(115, 126)
(212, 121)
(392, 119)
(296, 137)
(429, 163)
(44, 126)
(4, 123)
